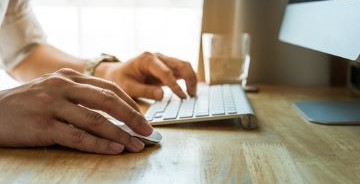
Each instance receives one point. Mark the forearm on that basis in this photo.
(45, 59)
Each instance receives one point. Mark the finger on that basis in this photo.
(102, 83)
(158, 69)
(148, 91)
(73, 137)
(96, 124)
(184, 70)
(107, 101)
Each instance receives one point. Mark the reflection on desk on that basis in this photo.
(284, 149)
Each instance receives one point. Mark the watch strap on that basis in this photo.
(92, 64)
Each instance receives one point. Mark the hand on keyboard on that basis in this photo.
(144, 75)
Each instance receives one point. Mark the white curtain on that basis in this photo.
(125, 28)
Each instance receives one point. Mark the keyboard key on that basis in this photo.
(217, 101)
(202, 102)
(149, 118)
(229, 100)
(187, 108)
(186, 114)
(154, 109)
(172, 109)
(218, 112)
(240, 99)
(169, 116)
(202, 113)
(158, 106)
(231, 110)
(158, 115)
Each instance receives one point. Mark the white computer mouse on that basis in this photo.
(152, 139)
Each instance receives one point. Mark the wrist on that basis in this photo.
(103, 69)
(92, 65)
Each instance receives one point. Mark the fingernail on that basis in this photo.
(193, 92)
(116, 147)
(183, 95)
(158, 94)
(136, 144)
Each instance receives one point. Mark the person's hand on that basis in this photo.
(144, 75)
(55, 109)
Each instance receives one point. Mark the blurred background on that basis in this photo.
(126, 28)
(273, 62)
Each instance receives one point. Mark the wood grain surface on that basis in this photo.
(284, 149)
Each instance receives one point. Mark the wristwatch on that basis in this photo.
(91, 64)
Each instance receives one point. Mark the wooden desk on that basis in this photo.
(284, 149)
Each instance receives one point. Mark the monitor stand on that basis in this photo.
(330, 112)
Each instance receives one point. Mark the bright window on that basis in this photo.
(125, 28)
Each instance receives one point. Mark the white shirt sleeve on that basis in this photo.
(19, 33)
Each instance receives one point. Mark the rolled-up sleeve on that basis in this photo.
(19, 33)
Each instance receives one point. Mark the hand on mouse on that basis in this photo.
(54, 109)
(143, 76)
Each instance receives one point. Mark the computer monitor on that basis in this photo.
(332, 27)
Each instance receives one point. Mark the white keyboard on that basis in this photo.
(212, 103)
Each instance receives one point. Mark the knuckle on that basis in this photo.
(147, 54)
(67, 71)
(148, 57)
(133, 104)
(168, 73)
(187, 63)
(55, 81)
(184, 65)
(124, 137)
(114, 86)
(99, 145)
(108, 95)
(95, 119)
(45, 76)
(188, 66)
(44, 99)
(78, 136)
(134, 116)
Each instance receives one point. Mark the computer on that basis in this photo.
(332, 27)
